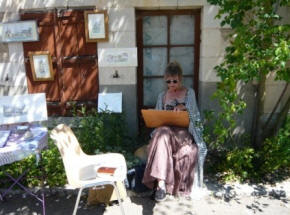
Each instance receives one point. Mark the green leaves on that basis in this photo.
(259, 45)
(104, 132)
(52, 169)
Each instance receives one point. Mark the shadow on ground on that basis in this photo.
(55, 205)
(62, 203)
(58, 204)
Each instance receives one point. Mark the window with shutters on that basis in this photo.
(62, 33)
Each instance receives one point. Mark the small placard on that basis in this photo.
(117, 57)
(23, 108)
(110, 102)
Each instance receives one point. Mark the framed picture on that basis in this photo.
(22, 31)
(23, 108)
(96, 26)
(41, 66)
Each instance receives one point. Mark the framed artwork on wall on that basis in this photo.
(21, 31)
(96, 26)
(117, 57)
(41, 66)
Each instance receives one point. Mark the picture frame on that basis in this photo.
(41, 66)
(23, 108)
(96, 26)
(20, 31)
(117, 57)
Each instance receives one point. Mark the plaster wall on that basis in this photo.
(129, 95)
(122, 34)
(12, 70)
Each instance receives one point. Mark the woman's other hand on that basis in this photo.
(179, 107)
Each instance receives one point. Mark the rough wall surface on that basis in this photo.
(12, 70)
(122, 34)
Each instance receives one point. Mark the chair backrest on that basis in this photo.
(70, 151)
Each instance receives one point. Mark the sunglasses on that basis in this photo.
(171, 81)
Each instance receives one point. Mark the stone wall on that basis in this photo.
(122, 34)
(12, 70)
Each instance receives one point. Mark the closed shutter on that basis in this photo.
(62, 33)
(46, 43)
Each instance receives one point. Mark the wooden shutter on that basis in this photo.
(62, 33)
(79, 59)
(46, 43)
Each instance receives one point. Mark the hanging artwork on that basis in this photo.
(41, 66)
(117, 57)
(22, 31)
(96, 26)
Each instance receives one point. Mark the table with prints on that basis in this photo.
(17, 143)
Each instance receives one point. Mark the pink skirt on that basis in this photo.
(172, 154)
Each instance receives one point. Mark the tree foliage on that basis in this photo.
(259, 46)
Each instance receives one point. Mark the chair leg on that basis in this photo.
(196, 176)
(201, 176)
(77, 201)
(200, 164)
(119, 198)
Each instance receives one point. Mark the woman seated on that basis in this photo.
(172, 151)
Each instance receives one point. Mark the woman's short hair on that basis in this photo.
(173, 69)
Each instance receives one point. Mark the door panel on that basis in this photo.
(155, 30)
(152, 87)
(182, 30)
(71, 80)
(154, 61)
(69, 40)
(185, 56)
(163, 37)
(88, 85)
(79, 58)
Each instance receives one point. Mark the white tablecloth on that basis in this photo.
(20, 149)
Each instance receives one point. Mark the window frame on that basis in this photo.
(139, 31)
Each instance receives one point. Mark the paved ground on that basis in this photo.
(217, 199)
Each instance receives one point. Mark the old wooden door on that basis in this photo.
(163, 37)
(62, 33)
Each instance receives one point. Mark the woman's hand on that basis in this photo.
(179, 107)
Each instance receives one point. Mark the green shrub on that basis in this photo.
(53, 166)
(275, 154)
(235, 164)
(50, 168)
(105, 132)
(244, 163)
(239, 163)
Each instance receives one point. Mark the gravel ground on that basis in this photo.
(217, 199)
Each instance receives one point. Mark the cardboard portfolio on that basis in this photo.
(156, 118)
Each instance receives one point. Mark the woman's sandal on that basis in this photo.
(160, 195)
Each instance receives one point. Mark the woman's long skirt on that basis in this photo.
(172, 155)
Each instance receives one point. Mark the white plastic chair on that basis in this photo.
(81, 169)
